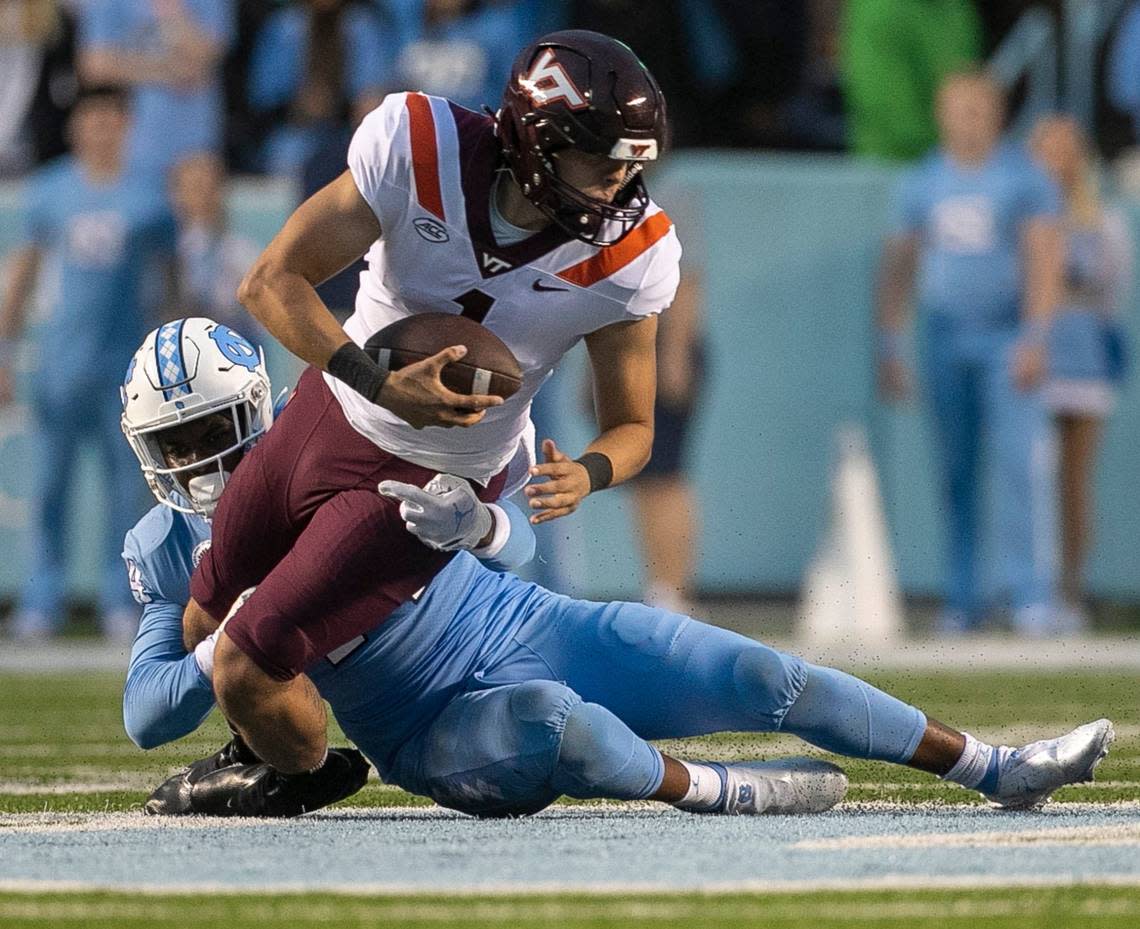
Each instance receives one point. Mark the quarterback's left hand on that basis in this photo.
(445, 514)
(567, 484)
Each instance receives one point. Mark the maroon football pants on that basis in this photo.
(301, 520)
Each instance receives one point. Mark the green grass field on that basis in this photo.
(1061, 908)
(62, 748)
(62, 745)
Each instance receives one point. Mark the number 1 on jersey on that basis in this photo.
(476, 304)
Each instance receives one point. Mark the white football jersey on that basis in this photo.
(426, 167)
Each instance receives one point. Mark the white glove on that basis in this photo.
(444, 515)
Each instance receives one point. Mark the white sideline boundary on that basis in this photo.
(972, 653)
(504, 889)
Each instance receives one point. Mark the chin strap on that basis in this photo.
(206, 489)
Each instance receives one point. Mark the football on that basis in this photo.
(489, 367)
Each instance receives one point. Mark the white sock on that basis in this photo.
(971, 767)
(705, 791)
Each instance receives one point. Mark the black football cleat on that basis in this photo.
(172, 798)
(261, 790)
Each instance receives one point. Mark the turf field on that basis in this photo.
(906, 850)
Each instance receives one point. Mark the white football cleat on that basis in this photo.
(786, 786)
(1027, 776)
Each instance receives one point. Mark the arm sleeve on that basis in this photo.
(659, 283)
(165, 697)
(371, 157)
(516, 548)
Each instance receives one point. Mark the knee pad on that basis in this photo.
(767, 683)
(544, 702)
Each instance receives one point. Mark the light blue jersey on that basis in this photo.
(495, 696)
(106, 239)
(161, 553)
(970, 223)
(169, 122)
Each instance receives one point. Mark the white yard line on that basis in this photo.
(991, 653)
(1120, 834)
(904, 882)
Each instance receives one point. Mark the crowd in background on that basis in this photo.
(271, 86)
(168, 97)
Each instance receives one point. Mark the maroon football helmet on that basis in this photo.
(581, 90)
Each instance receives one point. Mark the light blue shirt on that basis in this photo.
(167, 697)
(467, 60)
(168, 122)
(970, 223)
(106, 239)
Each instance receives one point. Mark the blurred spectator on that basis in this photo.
(318, 67)
(729, 68)
(895, 55)
(211, 259)
(169, 53)
(37, 82)
(1086, 355)
(102, 225)
(816, 118)
(459, 49)
(975, 228)
(658, 33)
(1123, 68)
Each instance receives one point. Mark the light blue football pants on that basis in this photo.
(567, 706)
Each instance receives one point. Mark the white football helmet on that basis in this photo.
(184, 370)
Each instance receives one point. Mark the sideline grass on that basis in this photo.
(997, 908)
(63, 749)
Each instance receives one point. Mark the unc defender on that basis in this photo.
(491, 695)
(534, 222)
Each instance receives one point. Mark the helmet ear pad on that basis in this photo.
(584, 91)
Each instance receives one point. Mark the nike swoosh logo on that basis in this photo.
(541, 287)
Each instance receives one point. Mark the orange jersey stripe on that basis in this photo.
(615, 257)
(425, 157)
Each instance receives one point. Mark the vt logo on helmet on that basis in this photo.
(582, 91)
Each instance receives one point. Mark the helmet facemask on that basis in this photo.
(196, 485)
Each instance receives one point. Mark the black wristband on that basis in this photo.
(600, 469)
(352, 365)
